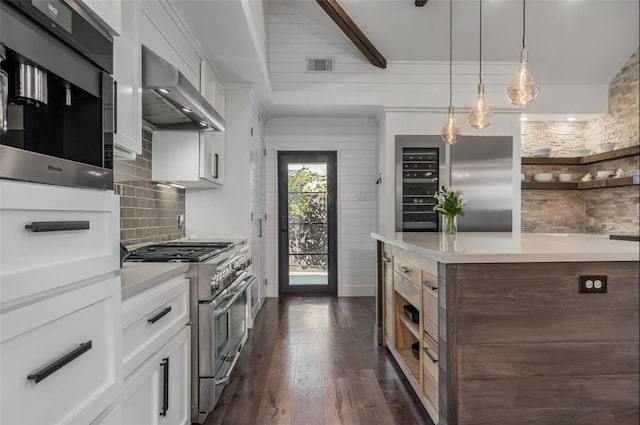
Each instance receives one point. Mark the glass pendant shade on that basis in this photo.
(481, 114)
(450, 132)
(523, 88)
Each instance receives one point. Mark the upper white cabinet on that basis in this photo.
(192, 159)
(108, 11)
(127, 71)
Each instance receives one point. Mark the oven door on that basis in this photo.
(222, 330)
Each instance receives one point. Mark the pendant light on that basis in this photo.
(480, 115)
(523, 88)
(450, 132)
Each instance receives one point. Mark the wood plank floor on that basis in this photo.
(312, 361)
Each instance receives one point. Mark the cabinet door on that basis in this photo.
(212, 165)
(108, 11)
(158, 391)
(128, 76)
(140, 403)
(175, 376)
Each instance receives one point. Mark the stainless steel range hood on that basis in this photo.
(170, 101)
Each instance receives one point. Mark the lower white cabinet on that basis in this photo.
(60, 356)
(157, 392)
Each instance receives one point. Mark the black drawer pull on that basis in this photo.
(430, 286)
(159, 316)
(57, 226)
(165, 386)
(386, 260)
(60, 363)
(426, 351)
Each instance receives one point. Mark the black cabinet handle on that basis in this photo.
(60, 363)
(430, 286)
(260, 228)
(165, 386)
(159, 316)
(426, 351)
(386, 260)
(215, 165)
(57, 226)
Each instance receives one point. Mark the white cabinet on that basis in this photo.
(107, 11)
(193, 159)
(127, 72)
(60, 356)
(156, 346)
(38, 259)
(157, 392)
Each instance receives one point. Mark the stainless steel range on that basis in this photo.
(219, 274)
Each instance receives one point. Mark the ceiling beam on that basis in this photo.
(420, 3)
(351, 30)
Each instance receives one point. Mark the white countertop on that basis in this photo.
(138, 277)
(472, 247)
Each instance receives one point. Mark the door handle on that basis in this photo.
(57, 226)
(60, 363)
(260, 228)
(165, 386)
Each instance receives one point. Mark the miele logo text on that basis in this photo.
(54, 168)
(53, 9)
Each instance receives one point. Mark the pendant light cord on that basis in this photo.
(450, 53)
(480, 41)
(524, 21)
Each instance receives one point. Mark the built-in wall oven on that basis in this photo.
(57, 105)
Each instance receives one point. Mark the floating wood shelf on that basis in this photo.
(581, 160)
(596, 184)
(412, 327)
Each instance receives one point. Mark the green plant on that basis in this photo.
(450, 202)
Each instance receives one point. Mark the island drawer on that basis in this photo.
(407, 269)
(151, 317)
(430, 370)
(430, 312)
(409, 290)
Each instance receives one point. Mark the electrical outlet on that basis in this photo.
(592, 284)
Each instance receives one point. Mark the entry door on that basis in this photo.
(307, 248)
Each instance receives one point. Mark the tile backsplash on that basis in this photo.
(148, 213)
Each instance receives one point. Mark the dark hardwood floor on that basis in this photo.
(313, 361)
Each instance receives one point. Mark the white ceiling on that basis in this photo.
(569, 41)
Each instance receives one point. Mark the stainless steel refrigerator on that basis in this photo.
(480, 166)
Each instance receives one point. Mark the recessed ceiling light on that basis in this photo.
(203, 123)
(165, 91)
(571, 119)
(524, 119)
(186, 109)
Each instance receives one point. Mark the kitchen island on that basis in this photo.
(514, 328)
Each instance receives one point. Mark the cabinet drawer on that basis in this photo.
(151, 317)
(409, 290)
(407, 270)
(430, 369)
(47, 375)
(430, 312)
(41, 259)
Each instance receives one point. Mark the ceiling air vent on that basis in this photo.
(319, 64)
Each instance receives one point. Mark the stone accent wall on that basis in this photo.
(553, 211)
(561, 136)
(622, 120)
(148, 213)
(614, 210)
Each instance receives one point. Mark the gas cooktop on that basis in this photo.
(178, 252)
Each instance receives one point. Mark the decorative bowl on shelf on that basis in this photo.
(565, 177)
(411, 313)
(542, 177)
(607, 146)
(605, 174)
(541, 152)
(580, 152)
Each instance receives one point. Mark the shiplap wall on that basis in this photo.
(355, 141)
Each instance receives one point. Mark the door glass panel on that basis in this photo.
(307, 227)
